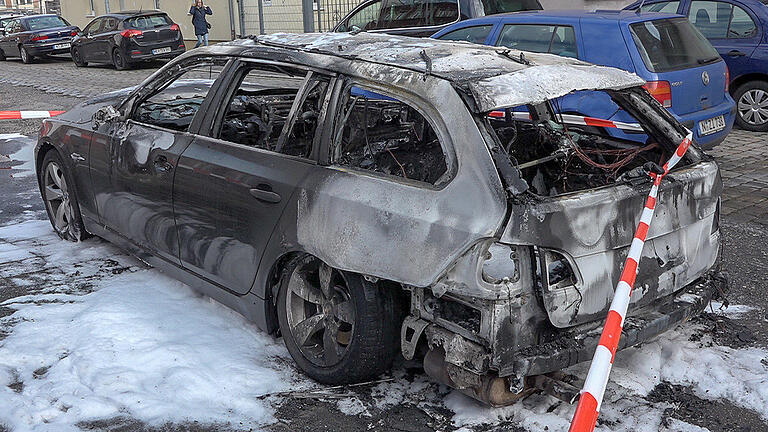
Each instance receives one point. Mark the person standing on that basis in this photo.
(198, 12)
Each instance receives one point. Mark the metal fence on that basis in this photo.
(296, 16)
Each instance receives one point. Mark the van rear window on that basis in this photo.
(147, 22)
(672, 44)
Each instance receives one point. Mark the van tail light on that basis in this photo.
(661, 91)
(727, 79)
(131, 33)
(39, 38)
(175, 27)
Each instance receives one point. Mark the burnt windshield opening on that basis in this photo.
(582, 141)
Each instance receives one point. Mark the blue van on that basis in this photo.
(738, 29)
(684, 72)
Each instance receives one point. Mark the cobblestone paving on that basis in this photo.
(60, 75)
(743, 159)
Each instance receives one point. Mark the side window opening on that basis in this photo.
(666, 7)
(175, 104)
(261, 111)
(474, 34)
(385, 135)
(541, 38)
(720, 20)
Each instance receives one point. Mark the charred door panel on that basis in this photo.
(228, 199)
(368, 221)
(138, 201)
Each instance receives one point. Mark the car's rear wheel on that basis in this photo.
(119, 60)
(26, 57)
(77, 58)
(337, 326)
(60, 197)
(752, 106)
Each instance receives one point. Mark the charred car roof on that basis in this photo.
(495, 77)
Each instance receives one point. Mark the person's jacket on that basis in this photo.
(198, 18)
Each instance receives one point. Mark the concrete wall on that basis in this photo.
(79, 13)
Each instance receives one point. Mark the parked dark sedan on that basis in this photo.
(36, 36)
(125, 38)
(357, 193)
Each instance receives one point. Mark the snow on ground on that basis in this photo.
(135, 343)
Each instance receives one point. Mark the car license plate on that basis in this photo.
(62, 46)
(161, 50)
(711, 125)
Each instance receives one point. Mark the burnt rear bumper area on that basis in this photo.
(578, 345)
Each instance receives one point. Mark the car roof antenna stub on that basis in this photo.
(640, 7)
(428, 61)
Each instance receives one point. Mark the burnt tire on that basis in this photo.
(368, 344)
(752, 106)
(60, 198)
(26, 57)
(119, 60)
(77, 58)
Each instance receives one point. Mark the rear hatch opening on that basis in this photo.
(557, 153)
(577, 193)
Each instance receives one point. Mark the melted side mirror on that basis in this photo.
(105, 115)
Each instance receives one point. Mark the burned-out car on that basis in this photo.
(368, 194)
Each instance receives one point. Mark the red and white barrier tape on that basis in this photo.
(24, 115)
(597, 378)
(574, 120)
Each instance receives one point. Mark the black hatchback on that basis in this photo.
(126, 38)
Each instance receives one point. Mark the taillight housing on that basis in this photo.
(39, 38)
(661, 91)
(129, 33)
(175, 27)
(73, 33)
(727, 79)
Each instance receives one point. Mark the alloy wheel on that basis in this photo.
(753, 106)
(320, 312)
(24, 55)
(57, 198)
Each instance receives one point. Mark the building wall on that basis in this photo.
(81, 12)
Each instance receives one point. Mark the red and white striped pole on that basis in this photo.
(591, 398)
(24, 115)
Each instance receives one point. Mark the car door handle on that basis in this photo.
(736, 53)
(263, 194)
(162, 164)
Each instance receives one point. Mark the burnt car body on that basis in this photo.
(128, 37)
(35, 36)
(357, 196)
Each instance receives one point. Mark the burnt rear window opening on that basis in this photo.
(385, 135)
(554, 157)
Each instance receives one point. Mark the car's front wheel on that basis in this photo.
(60, 197)
(77, 58)
(337, 326)
(119, 60)
(752, 106)
(26, 57)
